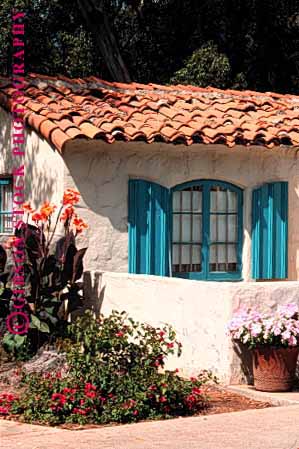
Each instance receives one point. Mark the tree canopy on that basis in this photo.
(242, 44)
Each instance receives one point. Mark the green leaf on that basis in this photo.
(35, 322)
(44, 327)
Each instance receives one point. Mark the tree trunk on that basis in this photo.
(97, 23)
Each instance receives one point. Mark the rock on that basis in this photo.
(44, 361)
(47, 361)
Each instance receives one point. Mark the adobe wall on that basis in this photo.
(199, 311)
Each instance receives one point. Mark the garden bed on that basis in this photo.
(220, 401)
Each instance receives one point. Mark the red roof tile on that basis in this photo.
(62, 109)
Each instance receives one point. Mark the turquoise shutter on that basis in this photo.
(148, 228)
(270, 231)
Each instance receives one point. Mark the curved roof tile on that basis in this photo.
(62, 109)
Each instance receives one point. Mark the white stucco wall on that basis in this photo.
(199, 311)
(101, 172)
(44, 166)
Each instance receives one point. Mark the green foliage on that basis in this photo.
(205, 67)
(56, 37)
(114, 375)
(257, 41)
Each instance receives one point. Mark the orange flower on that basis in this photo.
(37, 217)
(71, 197)
(47, 209)
(80, 225)
(67, 213)
(27, 208)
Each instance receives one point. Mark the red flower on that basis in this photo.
(162, 333)
(170, 345)
(90, 394)
(3, 410)
(80, 225)
(135, 413)
(71, 197)
(27, 208)
(119, 334)
(67, 390)
(163, 399)
(90, 386)
(47, 210)
(60, 397)
(37, 217)
(67, 213)
(196, 390)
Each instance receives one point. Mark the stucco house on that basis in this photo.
(191, 196)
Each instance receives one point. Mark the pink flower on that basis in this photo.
(119, 334)
(135, 413)
(286, 335)
(292, 341)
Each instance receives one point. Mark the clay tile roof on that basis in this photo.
(61, 109)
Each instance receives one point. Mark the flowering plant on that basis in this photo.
(50, 273)
(253, 328)
(115, 374)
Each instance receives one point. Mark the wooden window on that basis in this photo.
(207, 231)
(6, 205)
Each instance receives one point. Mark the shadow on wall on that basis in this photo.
(93, 292)
(39, 186)
(245, 358)
(100, 178)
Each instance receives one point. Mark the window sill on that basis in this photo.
(217, 277)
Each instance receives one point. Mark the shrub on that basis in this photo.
(115, 375)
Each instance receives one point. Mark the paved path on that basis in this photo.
(272, 428)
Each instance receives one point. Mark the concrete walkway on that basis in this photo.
(272, 428)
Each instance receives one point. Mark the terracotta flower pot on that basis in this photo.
(274, 368)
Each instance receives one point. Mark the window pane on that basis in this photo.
(232, 253)
(186, 258)
(232, 228)
(218, 199)
(186, 228)
(6, 206)
(175, 254)
(197, 228)
(223, 258)
(218, 228)
(197, 201)
(176, 227)
(176, 201)
(186, 201)
(232, 201)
